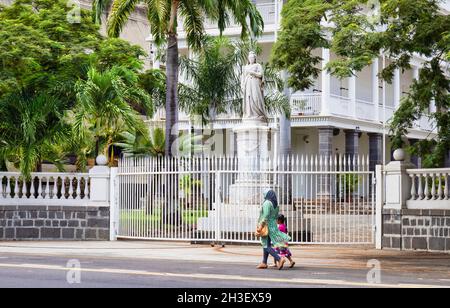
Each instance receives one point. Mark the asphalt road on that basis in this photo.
(43, 271)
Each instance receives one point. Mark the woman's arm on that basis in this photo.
(265, 211)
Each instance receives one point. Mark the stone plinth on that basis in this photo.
(253, 155)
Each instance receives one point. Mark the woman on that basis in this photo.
(268, 215)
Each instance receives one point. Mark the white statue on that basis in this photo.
(253, 93)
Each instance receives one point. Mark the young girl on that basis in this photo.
(284, 251)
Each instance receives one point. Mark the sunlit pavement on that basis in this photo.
(163, 264)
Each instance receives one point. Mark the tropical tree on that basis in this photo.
(164, 18)
(104, 106)
(399, 29)
(31, 127)
(135, 143)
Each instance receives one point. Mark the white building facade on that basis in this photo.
(334, 117)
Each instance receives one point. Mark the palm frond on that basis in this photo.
(120, 13)
(99, 7)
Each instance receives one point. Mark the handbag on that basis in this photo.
(262, 230)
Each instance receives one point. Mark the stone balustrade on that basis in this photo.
(429, 189)
(44, 188)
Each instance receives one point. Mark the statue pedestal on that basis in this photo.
(253, 160)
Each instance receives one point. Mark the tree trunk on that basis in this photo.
(172, 84)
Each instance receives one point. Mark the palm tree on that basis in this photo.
(163, 18)
(104, 106)
(136, 143)
(30, 128)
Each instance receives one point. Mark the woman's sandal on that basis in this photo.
(292, 265)
(262, 266)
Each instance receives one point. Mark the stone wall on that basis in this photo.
(54, 223)
(424, 230)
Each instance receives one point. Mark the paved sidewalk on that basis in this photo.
(305, 256)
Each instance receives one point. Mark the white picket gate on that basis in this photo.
(218, 199)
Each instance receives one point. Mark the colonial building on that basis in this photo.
(348, 116)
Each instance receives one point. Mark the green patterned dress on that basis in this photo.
(269, 214)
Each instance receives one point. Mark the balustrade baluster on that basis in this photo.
(427, 188)
(433, 186)
(446, 192)
(421, 192)
(413, 187)
(47, 188)
(70, 188)
(440, 192)
(39, 195)
(16, 187)
(78, 196)
(8, 187)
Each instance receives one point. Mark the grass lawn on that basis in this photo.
(189, 216)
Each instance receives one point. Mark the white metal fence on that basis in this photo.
(325, 200)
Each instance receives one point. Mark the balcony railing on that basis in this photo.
(306, 104)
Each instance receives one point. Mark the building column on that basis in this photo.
(326, 82)
(326, 141)
(351, 143)
(375, 90)
(352, 95)
(325, 151)
(285, 133)
(375, 150)
(397, 89)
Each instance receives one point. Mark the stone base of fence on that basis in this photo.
(422, 230)
(54, 222)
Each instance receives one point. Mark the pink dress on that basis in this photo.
(283, 251)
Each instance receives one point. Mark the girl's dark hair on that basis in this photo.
(281, 218)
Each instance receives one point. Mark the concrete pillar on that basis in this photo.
(325, 151)
(100, 183)
(375, 90)
(398, 182)
(375, 150)
(326, 141)
(285, 140)
(351, 142)
(351, 145)
(352, 95)
(326, 83)
(397, 88)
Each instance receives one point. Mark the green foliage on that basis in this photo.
(214, 80)
(154, 83)
(31, 127)
(103, 105)
(188, 184)
(349, 183)
(44, 55)
(164, 17)
(191, 14)
(301, 33)
(400, 29)
(136, 143)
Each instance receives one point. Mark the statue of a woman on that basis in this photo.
(253, 93)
